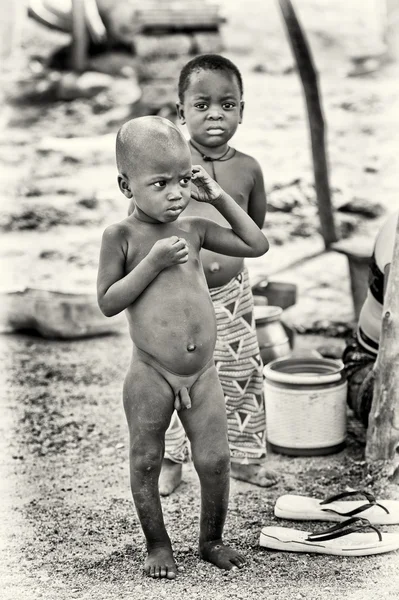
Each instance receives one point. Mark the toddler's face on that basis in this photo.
(161, 185)
(212, 107)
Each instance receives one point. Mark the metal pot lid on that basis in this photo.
(267, 314)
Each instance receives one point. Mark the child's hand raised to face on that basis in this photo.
(205, 188)
(169, 251)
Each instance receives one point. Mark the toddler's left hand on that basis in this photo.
(206, 189)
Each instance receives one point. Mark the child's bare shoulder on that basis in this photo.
(247, 161)
(117, 233)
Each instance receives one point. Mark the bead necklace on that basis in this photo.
(206, 158)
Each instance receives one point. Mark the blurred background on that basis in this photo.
(69, 79)
(62, 103)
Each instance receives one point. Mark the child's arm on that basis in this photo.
(244, 238)
(115, 290)
(257, 198)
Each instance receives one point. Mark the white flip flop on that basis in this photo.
(303, 508)
(344, 539)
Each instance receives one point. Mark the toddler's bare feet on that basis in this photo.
(220, 555)
(256, 474)
(170, 477)
(160, 563)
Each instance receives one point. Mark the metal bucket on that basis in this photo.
(305, 406)
(278, 293)
(272, 337)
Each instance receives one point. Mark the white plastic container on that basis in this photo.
(305, 406)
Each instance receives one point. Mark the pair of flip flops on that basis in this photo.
(349, 538)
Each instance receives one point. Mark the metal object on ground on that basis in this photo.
(278, 293)
(272, 337)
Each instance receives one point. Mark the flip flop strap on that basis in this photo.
(371, 502)
(348, 494)
(352, 525)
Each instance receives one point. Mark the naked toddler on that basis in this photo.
(150, 267)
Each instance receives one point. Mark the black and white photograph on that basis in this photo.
(199, 299)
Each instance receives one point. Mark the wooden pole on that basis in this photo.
(11, 23)
(79, 36)
(383, 429)
(309, 81)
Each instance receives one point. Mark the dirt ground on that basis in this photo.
(68, 528)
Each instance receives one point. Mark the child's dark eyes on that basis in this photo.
(162, 183)
(225, 105)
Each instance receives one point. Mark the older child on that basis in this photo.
(211, 105)
(150, 267)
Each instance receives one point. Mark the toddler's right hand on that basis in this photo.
(169, 251)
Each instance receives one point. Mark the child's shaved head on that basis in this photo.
(143, 138)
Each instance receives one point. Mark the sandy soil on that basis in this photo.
(67, 521)
(68, 524)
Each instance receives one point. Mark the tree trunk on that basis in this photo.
(308, 77)
(383, 429)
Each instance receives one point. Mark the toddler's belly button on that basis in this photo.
(214, 267)
(191, 347)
